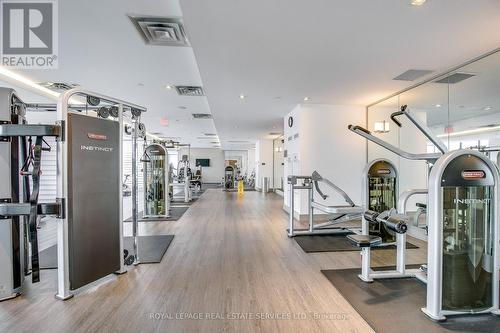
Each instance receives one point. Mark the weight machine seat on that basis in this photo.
(365, 240)
(337, 209)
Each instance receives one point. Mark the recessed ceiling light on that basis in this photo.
(242, 96)
(182, 107)
(438, 105)
(307, 99)
(417, 2)
(488, 108)
(169, 87)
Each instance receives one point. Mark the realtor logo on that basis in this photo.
(29, 33)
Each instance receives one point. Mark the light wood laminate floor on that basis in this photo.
(230, 259)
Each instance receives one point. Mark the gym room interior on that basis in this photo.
(250, 166)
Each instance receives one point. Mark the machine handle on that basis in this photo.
(356, 127)
(397, 114)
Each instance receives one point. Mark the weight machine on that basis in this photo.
(229, 177)
(156, 182)
(462, 272)
(89, 197)
(184, 178)
(380, 190)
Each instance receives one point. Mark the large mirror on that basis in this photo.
(461, 108)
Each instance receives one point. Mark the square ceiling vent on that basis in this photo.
(190, 90)
(167, 31)
(455, 78)
(58, 86)
(412, 74)
(202, 115)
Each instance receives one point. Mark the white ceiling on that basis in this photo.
(100, 49)
(465, 105)
(274, 52)
(337, 52)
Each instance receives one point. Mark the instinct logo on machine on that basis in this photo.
(384, 171)
(95, 148)
(94, 136)
(470, 201)
(473, 174)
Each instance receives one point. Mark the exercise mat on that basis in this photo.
(180, 202)
(175, 214)
(336, 243)
(151, 248)
(393, 305)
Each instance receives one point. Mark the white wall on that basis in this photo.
(251, 160)
(278, 163)
(215, 172)
(320, 141)
(264, 162)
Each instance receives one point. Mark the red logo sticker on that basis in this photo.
(473, 174)
(97, 136)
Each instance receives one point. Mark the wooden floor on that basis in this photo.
(230, 259)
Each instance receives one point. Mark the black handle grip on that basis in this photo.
(356, 127)
(393, 118)
(396, 114)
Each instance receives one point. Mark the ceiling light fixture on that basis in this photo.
(469, 132)
(169, 87)
(242, 96)
(488, 108)
(381, 127)
(438, 105)
(417, 2)
(307, 99)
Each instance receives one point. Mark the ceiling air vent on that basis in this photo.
(455, 78)
(202, 115)
(58, 86)
(412, 74)
(167, 31)
(189, 90)
(210, 134)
